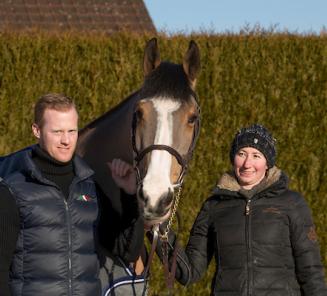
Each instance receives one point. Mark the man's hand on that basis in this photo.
(123, 175)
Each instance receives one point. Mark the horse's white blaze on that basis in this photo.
(157, 180)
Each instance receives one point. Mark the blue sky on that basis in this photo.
(302, 16)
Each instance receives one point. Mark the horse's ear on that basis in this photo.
(191, 63)
(151, 58)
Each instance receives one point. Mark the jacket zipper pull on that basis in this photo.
(247, 207)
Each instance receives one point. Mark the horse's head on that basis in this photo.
(165, 128)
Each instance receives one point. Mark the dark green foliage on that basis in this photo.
(278, 80)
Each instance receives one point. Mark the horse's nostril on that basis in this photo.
(167, 199)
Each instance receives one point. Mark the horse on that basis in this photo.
(155, 129)
(158, 123)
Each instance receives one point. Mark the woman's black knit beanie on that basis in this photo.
(258, 137)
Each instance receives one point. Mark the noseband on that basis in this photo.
(182, 160)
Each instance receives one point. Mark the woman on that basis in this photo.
(260, 232)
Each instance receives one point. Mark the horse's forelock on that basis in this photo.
(167, 80)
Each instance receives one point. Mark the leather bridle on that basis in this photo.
(182, 160)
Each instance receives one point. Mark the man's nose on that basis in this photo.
(65, 138)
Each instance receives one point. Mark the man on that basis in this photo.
(56, 197)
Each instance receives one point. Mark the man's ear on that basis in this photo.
(36, 130)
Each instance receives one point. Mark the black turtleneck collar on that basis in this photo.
(48, 164)
(60, 173)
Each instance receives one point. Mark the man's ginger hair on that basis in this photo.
(53, 101)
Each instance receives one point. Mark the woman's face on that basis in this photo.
(250, 167)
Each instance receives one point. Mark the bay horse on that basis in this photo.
(155, 128)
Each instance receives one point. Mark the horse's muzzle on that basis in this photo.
(156, 209)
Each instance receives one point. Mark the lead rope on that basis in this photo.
(169, 274)
(155, 231)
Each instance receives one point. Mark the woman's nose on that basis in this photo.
(247, 162)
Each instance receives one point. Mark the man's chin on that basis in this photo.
(63, 158)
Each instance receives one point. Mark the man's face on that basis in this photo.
(58, 133)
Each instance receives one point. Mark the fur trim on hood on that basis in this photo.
(229, 182)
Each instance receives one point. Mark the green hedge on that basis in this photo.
(279, 80)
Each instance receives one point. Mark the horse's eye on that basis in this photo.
(193, 118)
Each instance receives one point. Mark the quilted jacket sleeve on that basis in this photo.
(121, 231)
(309, 269)
(9, 228)
(194, 260)
(131, 237)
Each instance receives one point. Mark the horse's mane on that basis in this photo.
(121, 105)
(167, 80)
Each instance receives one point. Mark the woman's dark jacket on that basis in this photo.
(263, 240)
(55, 253)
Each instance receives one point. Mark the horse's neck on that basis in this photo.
(110, 133)
(106, 138)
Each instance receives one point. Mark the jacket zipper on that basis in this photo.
(69, 248)
(249, 250)
(247, 207)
